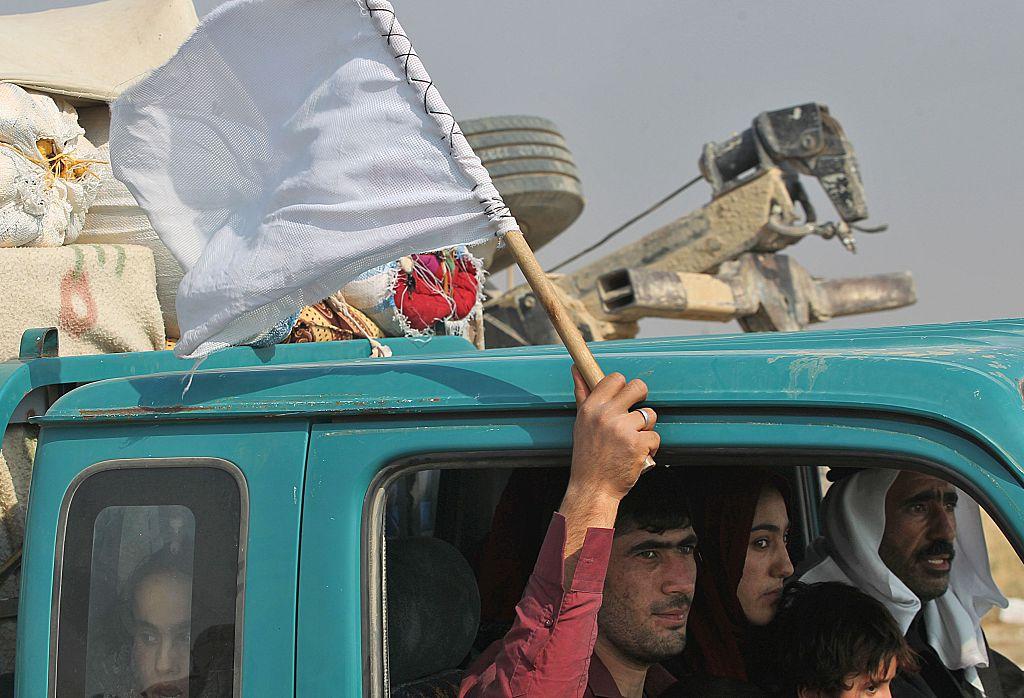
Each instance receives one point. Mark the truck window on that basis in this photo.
(148, 581)
(460, 544)
(990, 557)
(1004, 628)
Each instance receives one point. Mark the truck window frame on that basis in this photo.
(214, 463)
(373, 572)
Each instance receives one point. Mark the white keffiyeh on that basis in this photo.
(854, 520)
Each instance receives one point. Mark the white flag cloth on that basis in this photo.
(289, 146)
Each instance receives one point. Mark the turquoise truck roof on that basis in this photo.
(967, 375)
(19, 377)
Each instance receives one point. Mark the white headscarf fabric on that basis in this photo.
(854, 520)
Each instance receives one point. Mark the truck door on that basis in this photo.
(418, 534)
(164, 557)
(351, 463)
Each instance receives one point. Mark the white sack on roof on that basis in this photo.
(289, 146)
(46, 170)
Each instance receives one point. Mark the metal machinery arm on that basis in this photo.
(718, 262)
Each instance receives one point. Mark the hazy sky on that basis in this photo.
(930, 93)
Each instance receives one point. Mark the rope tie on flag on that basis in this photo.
(386, 22)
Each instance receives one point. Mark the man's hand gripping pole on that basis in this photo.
(567, 330)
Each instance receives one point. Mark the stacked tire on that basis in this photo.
(534, 171)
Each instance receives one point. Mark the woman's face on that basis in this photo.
(160, 637)
(767, 564)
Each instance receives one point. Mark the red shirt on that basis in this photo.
(548, 652)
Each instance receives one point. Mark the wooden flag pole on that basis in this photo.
(567, 330)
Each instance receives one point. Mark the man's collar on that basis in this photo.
(658, 680)
(602, 685)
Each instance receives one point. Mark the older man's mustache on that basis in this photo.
(937, 549)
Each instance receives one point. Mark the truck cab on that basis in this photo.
(305, 521)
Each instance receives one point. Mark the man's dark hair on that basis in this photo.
(657, 503)
(827, 632)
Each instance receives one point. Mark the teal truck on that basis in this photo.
(335, 512)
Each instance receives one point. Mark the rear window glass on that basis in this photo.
(149, 585)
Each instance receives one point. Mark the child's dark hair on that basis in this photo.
(827, 632)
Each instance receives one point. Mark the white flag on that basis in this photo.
(289, 146)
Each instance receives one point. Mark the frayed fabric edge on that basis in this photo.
(230, 335)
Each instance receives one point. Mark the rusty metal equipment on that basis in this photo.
(764, 292)
(804, 139)
(719, 262)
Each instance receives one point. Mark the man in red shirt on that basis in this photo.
(612, 585)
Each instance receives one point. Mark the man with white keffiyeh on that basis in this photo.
(915, 543)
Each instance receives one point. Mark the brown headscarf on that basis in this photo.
(723, 500)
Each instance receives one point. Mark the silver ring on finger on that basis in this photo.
(647, 420)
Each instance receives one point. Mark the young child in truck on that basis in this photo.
(834, 641)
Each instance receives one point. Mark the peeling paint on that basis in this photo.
(803, 373)
(135, 411)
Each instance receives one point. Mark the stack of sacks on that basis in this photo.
(97, 209)
(126, 39)
(101, 297)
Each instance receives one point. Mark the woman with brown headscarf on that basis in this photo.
(742, 524)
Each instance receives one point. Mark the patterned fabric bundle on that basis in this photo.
(332, 319)
(422, 294)
(436, 287)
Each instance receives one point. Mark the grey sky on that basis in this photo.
(930, 93)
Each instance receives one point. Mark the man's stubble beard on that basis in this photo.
(642, 644)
